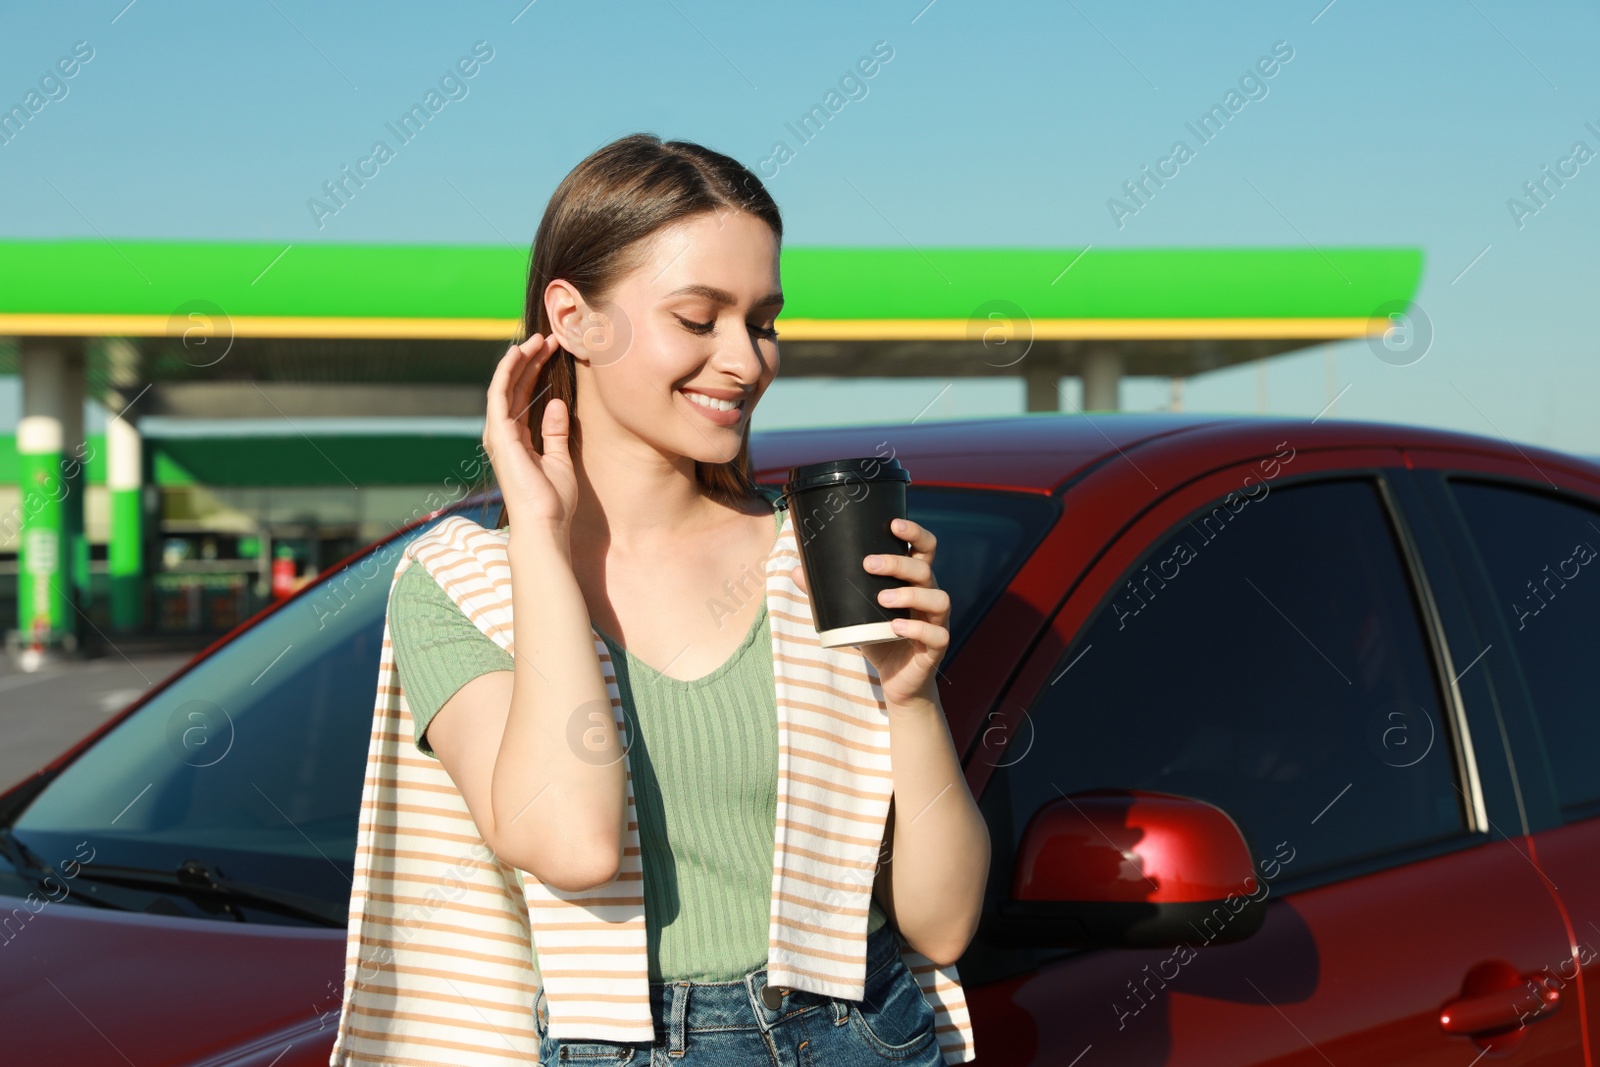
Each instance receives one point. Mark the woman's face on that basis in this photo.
(686, 346)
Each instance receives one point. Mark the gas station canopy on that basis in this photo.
(441, 314)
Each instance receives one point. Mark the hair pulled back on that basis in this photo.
(591, 235)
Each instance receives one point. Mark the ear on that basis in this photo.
(567, 312)
(595, 337)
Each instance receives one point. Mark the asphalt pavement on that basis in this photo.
(44, 713)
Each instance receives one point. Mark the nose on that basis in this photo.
(739, 356)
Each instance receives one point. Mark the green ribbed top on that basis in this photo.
(704, 758)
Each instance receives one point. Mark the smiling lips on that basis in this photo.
(722, 411)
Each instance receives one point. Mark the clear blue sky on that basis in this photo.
(991, 125)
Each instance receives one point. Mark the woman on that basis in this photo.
(618, 433)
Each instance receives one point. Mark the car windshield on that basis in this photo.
(251, 764)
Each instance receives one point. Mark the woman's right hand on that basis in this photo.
(538, 490)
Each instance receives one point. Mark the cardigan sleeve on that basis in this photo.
(437, 649)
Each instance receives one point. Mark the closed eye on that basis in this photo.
(705, 329)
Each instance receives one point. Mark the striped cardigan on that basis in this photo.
(437, 965)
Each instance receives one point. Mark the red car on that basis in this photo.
(1286, 732)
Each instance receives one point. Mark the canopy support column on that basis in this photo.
(1043, 378)
(1102, 380)
(125, 485)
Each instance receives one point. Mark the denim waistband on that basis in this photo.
(740, 1004)
(680, 1008)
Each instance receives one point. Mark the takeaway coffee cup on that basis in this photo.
(841, 511)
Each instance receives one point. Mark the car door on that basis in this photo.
(1269, 644)
(1531, 557)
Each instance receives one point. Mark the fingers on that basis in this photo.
(506, 372)
(922, 540)
(799, 576)
(497, 386)
(930, 635)
(511, 388)
(913, 569)
(933, 602)
(519, 396)
(539, 348)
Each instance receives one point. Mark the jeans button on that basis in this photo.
(771, 997)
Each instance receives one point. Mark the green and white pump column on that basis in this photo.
(52, 582)
(125, 490)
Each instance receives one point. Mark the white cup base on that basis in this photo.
(867, 633)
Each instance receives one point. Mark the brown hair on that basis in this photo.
(590, 236)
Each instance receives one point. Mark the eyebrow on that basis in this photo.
(722, 296)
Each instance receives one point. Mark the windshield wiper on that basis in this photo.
(200, 880)
(34, 871)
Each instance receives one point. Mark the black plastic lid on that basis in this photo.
(838, 471)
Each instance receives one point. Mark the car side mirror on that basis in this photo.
(1130, 868)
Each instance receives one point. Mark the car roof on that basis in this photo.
(1043, 452)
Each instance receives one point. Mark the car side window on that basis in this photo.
(1271, 659)
(1539, 552)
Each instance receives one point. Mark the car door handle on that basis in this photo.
(1500, 1009)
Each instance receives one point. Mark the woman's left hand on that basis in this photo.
(906, 669)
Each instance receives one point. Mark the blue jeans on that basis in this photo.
(728, 1024)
